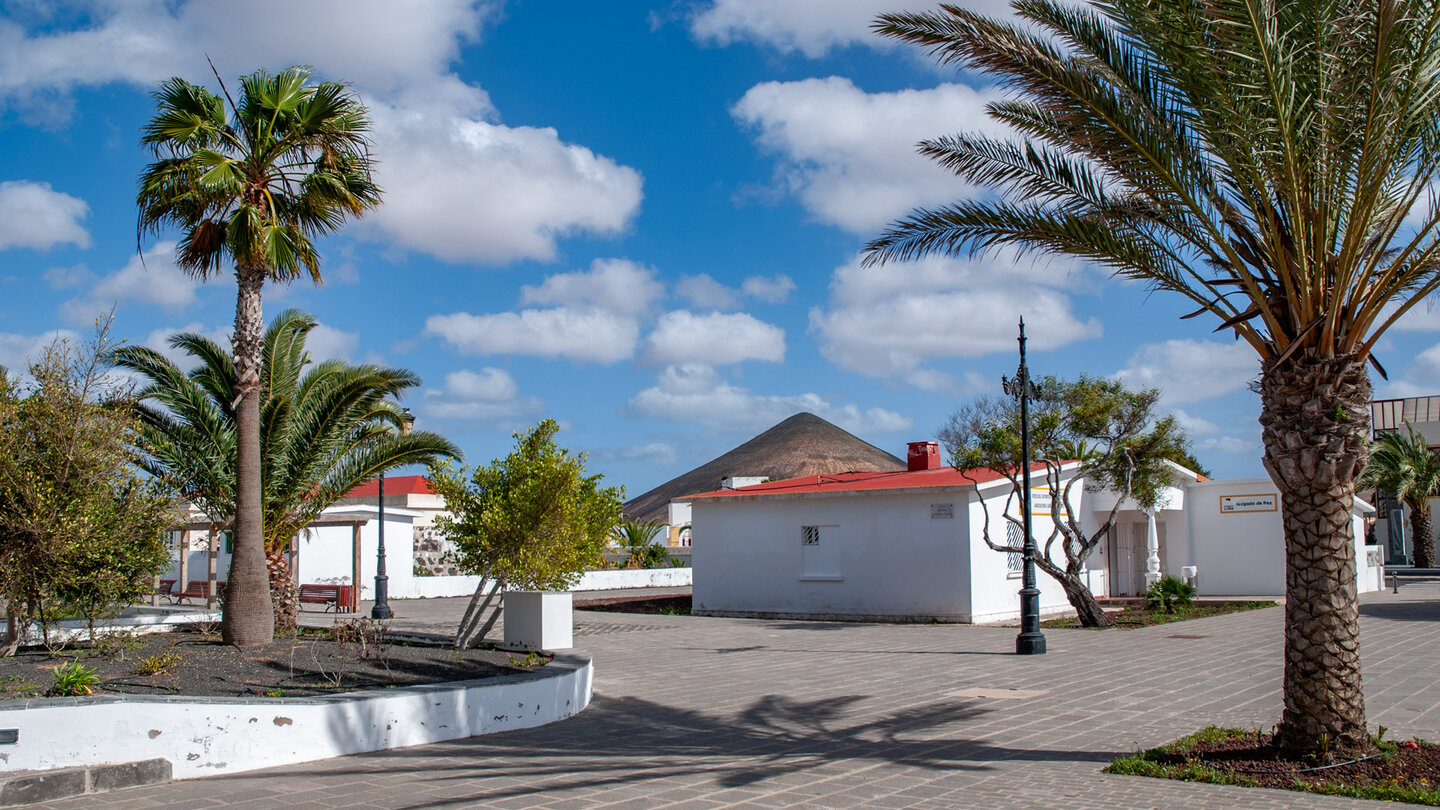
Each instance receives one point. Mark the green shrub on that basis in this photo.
(1169, 594)
(74, 679)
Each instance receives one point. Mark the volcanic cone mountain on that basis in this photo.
(803, 444)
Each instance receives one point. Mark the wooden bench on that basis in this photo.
(336, 597)
(199, 589)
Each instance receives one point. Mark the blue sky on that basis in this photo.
(640, 219)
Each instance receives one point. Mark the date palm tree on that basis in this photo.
(252, 183)
(325, 428)
(1402, 464)
(1273, 162)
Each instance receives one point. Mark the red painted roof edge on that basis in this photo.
(867, 482)
(394, 485)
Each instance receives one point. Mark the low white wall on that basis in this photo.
(208, 736)
(434, 587)
(634, 578)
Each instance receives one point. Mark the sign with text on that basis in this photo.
(1233, 504)
(942, 511)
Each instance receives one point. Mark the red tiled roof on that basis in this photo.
(864, 481)
(394, 485)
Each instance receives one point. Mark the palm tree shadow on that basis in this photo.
(620, 741)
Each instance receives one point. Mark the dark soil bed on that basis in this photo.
(667, 605)
(192, 662)
(1132, 617)
(1407, 771)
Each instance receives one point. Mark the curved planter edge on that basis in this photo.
(206, 736)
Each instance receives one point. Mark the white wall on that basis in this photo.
(888, 557)
(326, 552)
(209, 736)
(995, 589)
(1243, 553)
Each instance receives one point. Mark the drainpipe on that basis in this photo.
(1152, 549)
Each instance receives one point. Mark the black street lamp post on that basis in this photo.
(381, 610)
(1030, 641)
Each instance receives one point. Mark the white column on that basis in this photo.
(1152, 549)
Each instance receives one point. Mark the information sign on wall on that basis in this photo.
(942, 511)
(1230, 504)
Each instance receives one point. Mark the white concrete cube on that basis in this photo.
(539, 620)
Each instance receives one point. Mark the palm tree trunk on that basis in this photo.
(1423, 530)
(283, 593)
(1314, 418)
(249, 618)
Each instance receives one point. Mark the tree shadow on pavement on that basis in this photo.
(620, 741)
(1417, 611)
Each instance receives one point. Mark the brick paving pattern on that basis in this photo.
(705, 712)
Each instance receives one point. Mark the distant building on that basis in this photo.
(907, 543)
(1392, 528)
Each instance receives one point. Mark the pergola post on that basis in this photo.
(214, 562)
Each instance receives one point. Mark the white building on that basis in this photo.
(908, 544)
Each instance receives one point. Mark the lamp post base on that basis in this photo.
(1030, 644)
(1030, 641)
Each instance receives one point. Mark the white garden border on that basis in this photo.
(208, 736)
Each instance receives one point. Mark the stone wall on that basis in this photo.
(433, 554)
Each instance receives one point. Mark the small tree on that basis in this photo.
(80, 530)
(530, 521)
(1401, 463)
(637, 539)
(1115, 443)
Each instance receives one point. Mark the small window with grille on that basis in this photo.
(820, 553)
(1014, 537)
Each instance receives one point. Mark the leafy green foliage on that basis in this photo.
(158, 664)
(256, 183)
(1089, 429)
(533, 519)
(74, 679)
(81, 532)
(1402, 464)
(325, 427)
(637, 538)
(1170, 594)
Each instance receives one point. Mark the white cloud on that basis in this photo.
(585, 334)
(459, 184)
(772, 290)
(487, 395)
(812, 27)
(33, 215)
(705, 292)
(152, 280)
(659, 454)
(1228, 444)
(617, 285)
(892, 322)
(463, 188)
(17, 352)
(714, 338)
(159, 340)
(850, 155)
(328, 343)
(1194, 425)
(1191, 370)
(694, 393)
(67, 278)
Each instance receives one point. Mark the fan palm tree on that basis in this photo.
(325, 428)
(1402, 465)
(1262, 158)
(253, 183)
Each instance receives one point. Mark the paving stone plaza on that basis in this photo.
(705, 712)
